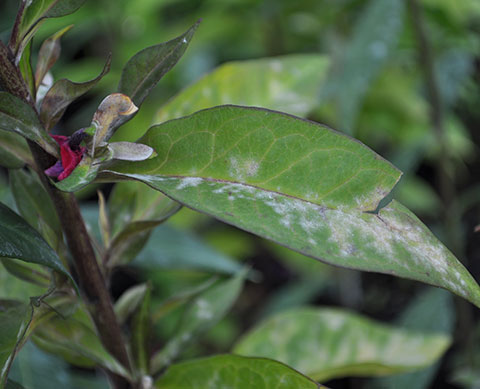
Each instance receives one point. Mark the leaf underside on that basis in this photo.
(297, 183)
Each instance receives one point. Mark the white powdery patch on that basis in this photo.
(204, 310)
(240, 169)
(189, 182)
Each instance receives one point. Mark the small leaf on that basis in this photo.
(63, 93)
(129, 151)
(327, 343)
(48, 55)
(103, 221)
(25, 66)
(75, 340)
(27, 272)
(233, 372)
(203, 312)
(17, 116)
(14, 317)
(20, 241)
(140, 341)
(287, 83)
(299, 184)
(14, 151)
(143, 71)
(111, 111)
(129, 301)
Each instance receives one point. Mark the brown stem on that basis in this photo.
(92, 283)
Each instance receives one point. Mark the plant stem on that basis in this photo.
(92, 282)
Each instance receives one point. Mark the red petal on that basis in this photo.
(60, 139)
(70, 159)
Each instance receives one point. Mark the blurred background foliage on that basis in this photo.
(404, 80)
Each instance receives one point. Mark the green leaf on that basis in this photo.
(63, 93)
(374, 37)
(297, 183)
(288, 84)
(75, 340)
(14, 151)
(13, 319)
(25, 66)
(145, 69)
(233, 372)
(48, 55)
(19, 240)
(17, 116)
(36, 206)
(13, 385)
(328, 343)
(37, 10)
(203, 312)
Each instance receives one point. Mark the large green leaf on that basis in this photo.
(13, 319)
(233, 372)
(17, 116)
(19, 240)
(297, 183)
(204, 311)
(327, 343)
(14, 151)
(288, 84)
(143, 71)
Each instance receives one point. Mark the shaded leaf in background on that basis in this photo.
(328, 343)
(203, 312)
(62, 94)
(171, 248)
(234, 372)
(13, 319)
(75, 340)
(141, 332)
(299, 184)
(17, 116)
(18, 240)
(36, 369)
(35, 205)
(288, 83)
(27, 272)
(374, 37)
(431, 312)
(14, 151)
(129, 301)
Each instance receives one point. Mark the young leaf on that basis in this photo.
(25, 66)
(143, 71)
(204, 311)
(17, 116)
(289, 84)
(20, 241)
(34, 14)
(129, 302)
(48, 55)
(128, 151)
(327, 343)
(13, 319)
(233, 372)
(300, 184)
(62, 94)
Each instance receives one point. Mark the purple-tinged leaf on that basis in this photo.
(48, 55)
(19, 117)
(62, 94)
(143, 71)
(129, 151)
